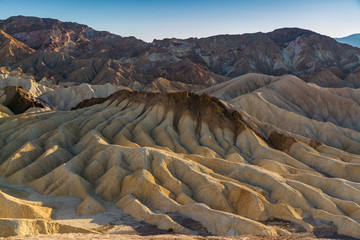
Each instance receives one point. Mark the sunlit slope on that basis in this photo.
(152, 154)
(328, 115)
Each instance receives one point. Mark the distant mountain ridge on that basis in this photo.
(353, 40)
(76, 53)
(12, 50)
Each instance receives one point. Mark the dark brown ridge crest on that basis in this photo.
(202, 108)
(18, 100)
(283, 143)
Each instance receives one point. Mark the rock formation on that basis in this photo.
(152, 154)
(328, 115)
(18, 100)
(18, 79)
(68, 97)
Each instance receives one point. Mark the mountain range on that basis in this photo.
(66, 52)
(353, 40)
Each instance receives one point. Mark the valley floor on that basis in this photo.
(73, 236)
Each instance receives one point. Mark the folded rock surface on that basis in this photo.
(157, 153)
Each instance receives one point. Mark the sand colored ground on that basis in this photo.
(156, 156)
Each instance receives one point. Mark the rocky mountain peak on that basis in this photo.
(283, 36)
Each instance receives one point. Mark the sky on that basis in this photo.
(158, 19)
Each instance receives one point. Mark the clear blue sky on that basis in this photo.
(158, 19)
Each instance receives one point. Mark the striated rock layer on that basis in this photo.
(156, 154)
(328, 115)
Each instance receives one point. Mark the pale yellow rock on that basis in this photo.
(287, 102)
(134, 208)
(12, 207)
(221, 223)
(90, 206)
(22, 227)
(345, 225)
(229, 170)
(142, 185)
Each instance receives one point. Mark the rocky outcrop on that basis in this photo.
(236, 157)
(18, 100)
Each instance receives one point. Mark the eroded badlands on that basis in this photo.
(155, 155)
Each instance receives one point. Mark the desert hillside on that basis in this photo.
(252, 136)
(153, 155)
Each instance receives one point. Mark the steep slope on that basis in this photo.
(152, 154)
(327, 115)
(61, 67)
(102, 50)
(331, 77)
(12, 207)
(20, 218)
(353, 40)
(164, 85)
(78, 40)
(11, 50)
